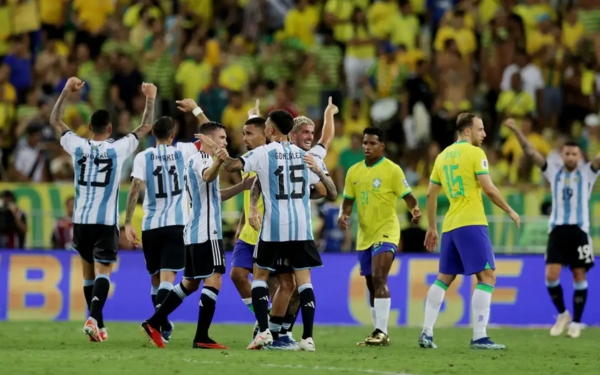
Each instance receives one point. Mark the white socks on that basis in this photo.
(480, 304)
(374, 316)
(382, 313)
(435, 297)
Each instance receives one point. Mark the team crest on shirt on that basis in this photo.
(376, 183)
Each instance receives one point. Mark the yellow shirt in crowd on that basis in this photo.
(193, 77)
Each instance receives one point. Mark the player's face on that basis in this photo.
(253, 137)
(372, 147)
(304, 138)
(571, 155)
(219, 137)
(477, 132)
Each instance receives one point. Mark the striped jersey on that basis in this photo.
(188, 149)
(571, 193)
(205, 202)
(285, 182)
(97, 171)
(162, 169)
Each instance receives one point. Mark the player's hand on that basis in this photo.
(131, 235)
(186, 105)
(416, 215)
(74, 84)
(149, 90)
(222, 155)
(331, 108)
(515, 217)
(343, 222)
(247, 182)
(510, 123)
(206, 140)
(255, 111)
(255, 218)
(311, 163)
(431, 239)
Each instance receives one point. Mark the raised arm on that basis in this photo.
(328, 131)
(74, 84)
(148, 117)
(326, 180)
(493, 193)
(132, 198)
(527, 147)
(189, 105)
(230, 164)
(596, 162)
(212, 172)
(431, 238)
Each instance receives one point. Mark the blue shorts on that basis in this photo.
(365, 257)
(242, 255)
(466, 250)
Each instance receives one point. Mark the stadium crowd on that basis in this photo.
(407, 66)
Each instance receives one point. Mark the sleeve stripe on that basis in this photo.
(243, 161)
(406, 193)
(345, 196)
(135, 135)
(435, 182)
(484, 172)
(67, 131)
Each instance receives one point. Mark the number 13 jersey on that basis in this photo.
(97, 176)
(285, 183)
(162, 170)
(456, 169)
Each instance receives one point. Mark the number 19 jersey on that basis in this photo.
(456, 169)
(97, 173)
(285, 182)
(162, 170)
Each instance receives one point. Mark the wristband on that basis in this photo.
(197, 111)
(252, 116)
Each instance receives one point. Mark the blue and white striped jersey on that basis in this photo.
(571, 193)
(285, 182)
(97, 172)
(162, 170)
(205, 202)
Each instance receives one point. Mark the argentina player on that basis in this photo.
(98, 162)
(569, 243)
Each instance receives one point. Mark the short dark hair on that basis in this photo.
(163, 128)
(256, 121)
(100, 121)
(402, 3)
(283, 120)
(210, 127)
(464, 120)
(374, 131)
(571, 143)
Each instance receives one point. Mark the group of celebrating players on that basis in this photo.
(282, 172)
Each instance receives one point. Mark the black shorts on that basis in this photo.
(202, 260)
(164, 249)
(285, 257)
(96, 243)
(570, 246)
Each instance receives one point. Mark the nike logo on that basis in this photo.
(356, 182)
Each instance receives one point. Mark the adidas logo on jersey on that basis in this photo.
(265, 298)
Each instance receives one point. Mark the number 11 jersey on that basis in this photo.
(162, 169)
(97, 176)
(456, 169)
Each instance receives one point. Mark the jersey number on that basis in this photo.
(161, 189)
(107, 169)
(585, 253)
(451, 181)
(281, 195)
(567, 193)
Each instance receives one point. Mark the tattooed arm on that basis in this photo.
(254, 217)
(74, 84)
(527, 147)
(325, 179)
(148, 117)
(132, 198)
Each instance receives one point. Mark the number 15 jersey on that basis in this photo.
(162, 170)
(456, 169)
(97, 176)
(285, 182)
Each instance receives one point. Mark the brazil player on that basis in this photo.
(98, 162)
(569, 242)
(376, 183)
(462, 171)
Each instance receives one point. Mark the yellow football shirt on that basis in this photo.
(193, 77)
(248, 234)
(456, 170)
(376, 190)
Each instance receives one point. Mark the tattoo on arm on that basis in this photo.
(132, 198)
(255, 193)
(329, 185)
(147, 120)
(58, 112)
(529, 150)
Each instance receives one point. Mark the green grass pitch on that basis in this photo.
(61, 348)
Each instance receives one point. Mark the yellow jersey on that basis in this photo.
(248, 234)
(376, 190)
(456, 170)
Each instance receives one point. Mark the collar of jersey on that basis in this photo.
(376, 164)
(460, 142)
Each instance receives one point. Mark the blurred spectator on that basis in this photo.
(457, 30)
(62, 236)
(513, 151)
(234, 116)
(412, 238)
(214, 99)
(380, 15)
(531, 76)
(30, 162)
(405, 27)
(193, 75)
(360, 52)
(20, 63)
(301, 22)
(126, 83)
(50, 63)
(13, 222)
(91, 18)
(590, 138)
(332, 238)
(514, 103)
(329, 57)
(349, 157)
(52, 15)
(356, 121)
